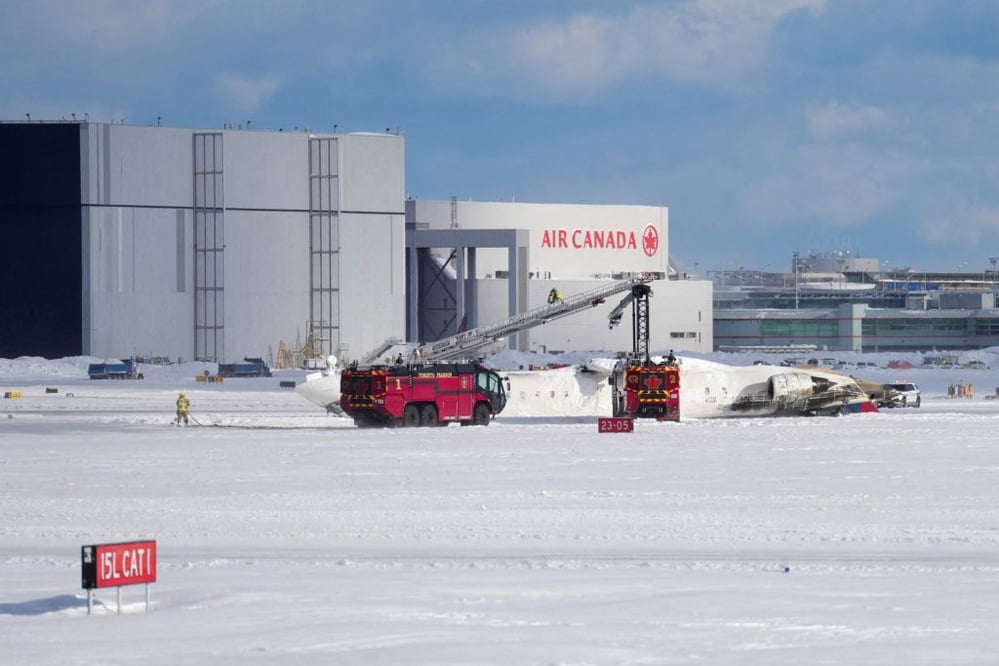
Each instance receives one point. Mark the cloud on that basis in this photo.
(931, 78)
(708, 43)
(828, 184)
(836, 119)
(243, 94)
(975, 225)
(111, 25)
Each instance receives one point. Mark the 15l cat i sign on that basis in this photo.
(116, 564)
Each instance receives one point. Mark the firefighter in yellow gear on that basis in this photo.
(183, 404)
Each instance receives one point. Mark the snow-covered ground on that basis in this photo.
(288, 536)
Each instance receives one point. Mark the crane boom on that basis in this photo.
(462, 344)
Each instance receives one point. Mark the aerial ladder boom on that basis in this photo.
(462, 344)
(483, 336)
(638, 298)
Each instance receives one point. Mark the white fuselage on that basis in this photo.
(707, 390)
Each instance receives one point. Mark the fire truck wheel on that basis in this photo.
(411, 416)
(428, 415)
(480, 416)
(369, 422)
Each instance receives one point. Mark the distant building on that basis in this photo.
(858, 308)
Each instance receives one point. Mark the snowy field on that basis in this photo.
(286, 536)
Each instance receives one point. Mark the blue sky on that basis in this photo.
(765, 126)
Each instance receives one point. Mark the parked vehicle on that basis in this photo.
(127, 369)
(901, 394)
(250, 367)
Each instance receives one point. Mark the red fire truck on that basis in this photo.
(429, 394)
(641, 388)
(646, 390)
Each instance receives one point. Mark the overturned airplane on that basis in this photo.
(707, 390)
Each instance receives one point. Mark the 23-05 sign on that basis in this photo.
(615, 424)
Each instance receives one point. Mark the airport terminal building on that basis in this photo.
(844, 302)
(215, 244)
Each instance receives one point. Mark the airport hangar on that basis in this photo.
(572, 248)
(218, 244)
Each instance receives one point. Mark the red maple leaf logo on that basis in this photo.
(650, 240)
(652, 382)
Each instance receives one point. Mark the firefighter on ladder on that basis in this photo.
(183, 404)
(554, 296)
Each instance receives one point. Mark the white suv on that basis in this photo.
(901, 394)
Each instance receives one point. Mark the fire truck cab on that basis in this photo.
(642, 389)
(429, 394)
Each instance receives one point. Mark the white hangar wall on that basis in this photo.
(137, 280)
(563, 253)
(139, 240)
(373, 271)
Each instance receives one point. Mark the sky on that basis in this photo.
(766, 127)
(286, 536)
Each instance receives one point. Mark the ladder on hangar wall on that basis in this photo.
(324, 242)
(209, 247)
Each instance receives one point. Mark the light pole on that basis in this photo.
(797, 267)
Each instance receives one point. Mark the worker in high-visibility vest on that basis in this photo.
(183, 404)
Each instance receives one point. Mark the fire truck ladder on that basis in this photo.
(462, 343)
(639, 300)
